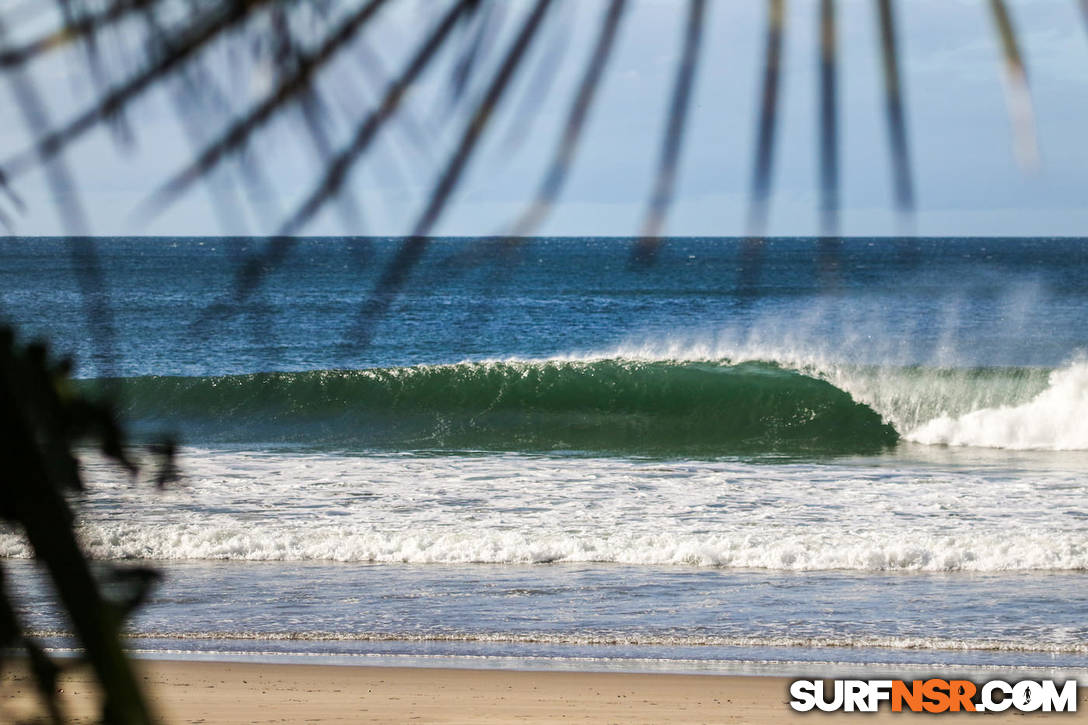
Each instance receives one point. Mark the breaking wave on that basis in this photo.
(627, 405)
(608, 405)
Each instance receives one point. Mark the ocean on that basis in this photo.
(732, 457)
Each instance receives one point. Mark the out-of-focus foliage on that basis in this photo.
(309, 52)
(43, 422)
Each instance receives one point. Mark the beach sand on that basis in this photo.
(219, 692)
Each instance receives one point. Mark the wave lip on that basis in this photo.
(605, 405)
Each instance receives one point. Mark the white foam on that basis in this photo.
(1019, 409)
(1056, 419)
(612, 638)
(795, 551)
(884, 516)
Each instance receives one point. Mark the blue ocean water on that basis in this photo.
(863, 451)
(177, 309)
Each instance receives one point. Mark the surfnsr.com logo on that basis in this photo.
(933, 695)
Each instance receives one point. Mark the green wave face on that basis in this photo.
(609, 406)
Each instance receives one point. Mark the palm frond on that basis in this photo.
(564, 153)
(412, 248)
(1017, 92)
(768, 116)
(893, 108)
(407, 124)
(275, 250)
(83, 251)
(645, 250)
(289, 89)
(75, 30)
(480, 119)
(210, 27)
(488, 24)
(538, 85)
(829, 130)
(337, 169)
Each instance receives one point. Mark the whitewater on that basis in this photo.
(1015, 408)
(752, 498)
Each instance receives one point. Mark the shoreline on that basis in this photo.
(235, 692)
(720, 666)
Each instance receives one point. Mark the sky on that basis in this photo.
(967, 178)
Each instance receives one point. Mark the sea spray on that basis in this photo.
(1054, 420)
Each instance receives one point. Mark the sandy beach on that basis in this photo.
(214, 692)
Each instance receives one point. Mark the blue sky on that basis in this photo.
(967, 179)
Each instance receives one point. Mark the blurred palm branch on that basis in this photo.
(309, 51)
